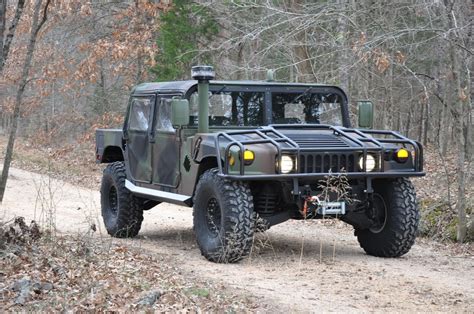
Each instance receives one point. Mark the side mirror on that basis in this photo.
(366, 114)
(180, 112)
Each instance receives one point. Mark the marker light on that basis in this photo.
(249, 156)
(402, 155)
(231, 160)
(203, 73)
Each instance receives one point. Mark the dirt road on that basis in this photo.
(298, 266)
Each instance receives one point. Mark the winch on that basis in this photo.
(314, 206)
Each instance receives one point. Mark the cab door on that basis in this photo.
(166, 153)
(137, 138)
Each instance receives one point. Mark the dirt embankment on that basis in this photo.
(300, 266)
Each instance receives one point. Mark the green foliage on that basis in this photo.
(199, 292)
(437, 220)
(184, 31)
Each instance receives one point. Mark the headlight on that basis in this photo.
(287, 164)
(370, 163)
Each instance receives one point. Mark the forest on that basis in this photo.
(413, 59)
(67, 68)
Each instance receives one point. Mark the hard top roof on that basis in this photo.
(185, 86)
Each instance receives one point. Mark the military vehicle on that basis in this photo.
(247, 155)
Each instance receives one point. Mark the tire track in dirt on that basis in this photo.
(339, 279)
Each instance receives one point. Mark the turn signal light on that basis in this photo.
(402, 155)
(249, 156)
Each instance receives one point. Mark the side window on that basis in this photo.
(163, 118)
(140, 113)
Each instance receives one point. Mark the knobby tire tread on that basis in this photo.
(128, 221)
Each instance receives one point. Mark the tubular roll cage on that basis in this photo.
(365, 136)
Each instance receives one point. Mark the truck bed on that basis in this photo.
(107, 139)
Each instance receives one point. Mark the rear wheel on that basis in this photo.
(396, 218)
(121, 210)
(223, 218)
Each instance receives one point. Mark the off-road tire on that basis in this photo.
(121, 210)
(230, 239)
(401, 224)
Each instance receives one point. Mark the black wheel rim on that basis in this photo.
(379, 214)
(113, 200)
(213, 216)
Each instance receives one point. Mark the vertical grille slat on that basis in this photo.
(324, 162)
(343, 162)
(302, 164)
(318, 163)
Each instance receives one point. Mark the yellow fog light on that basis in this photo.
(402, 155)
(249, 157)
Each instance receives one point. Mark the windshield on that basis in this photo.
(306, 107)
(231, 108)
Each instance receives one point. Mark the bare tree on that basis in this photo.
(413, 59)
(5, 44)
(37, 24)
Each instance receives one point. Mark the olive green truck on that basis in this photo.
(247, 155)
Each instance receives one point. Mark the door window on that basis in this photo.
(140, 113)
(163, 118)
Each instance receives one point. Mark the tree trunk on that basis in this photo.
(3, 14)
(426, 124)
(420, 125)
(11, 33)
(459, 123)
(36, 27)
(407, 128)
(342, 54)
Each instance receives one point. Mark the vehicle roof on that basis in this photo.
(185, 86)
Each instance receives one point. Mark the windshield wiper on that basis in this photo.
(218, 92)
(306, 92)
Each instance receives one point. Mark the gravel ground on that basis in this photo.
(298, 266)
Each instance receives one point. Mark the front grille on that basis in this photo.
(325, 163)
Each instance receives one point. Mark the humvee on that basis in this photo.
(247, 155)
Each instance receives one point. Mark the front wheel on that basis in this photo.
(223, 218)
(396, 219)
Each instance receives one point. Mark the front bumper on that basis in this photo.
(319, 176)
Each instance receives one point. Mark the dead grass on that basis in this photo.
(40, 272)
(70, 163)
